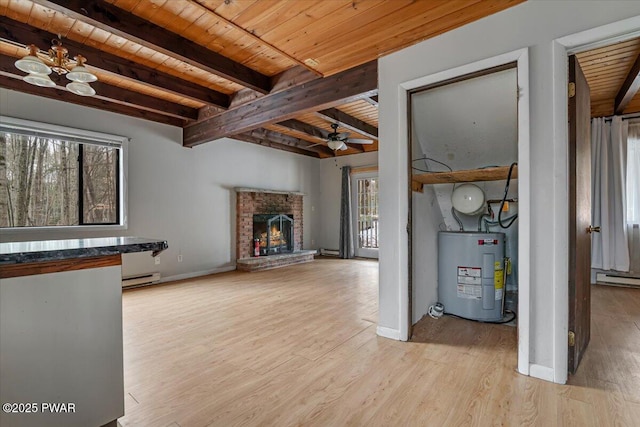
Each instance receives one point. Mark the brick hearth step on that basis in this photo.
(275, 261)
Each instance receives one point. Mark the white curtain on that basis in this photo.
(633, 196)
(610, 247)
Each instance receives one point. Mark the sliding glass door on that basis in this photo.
(365, 215)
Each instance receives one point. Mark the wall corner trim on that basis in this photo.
(393, 334)
(541, 372)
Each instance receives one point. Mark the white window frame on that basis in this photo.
(74, 135)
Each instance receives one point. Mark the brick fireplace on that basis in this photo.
(250, 203)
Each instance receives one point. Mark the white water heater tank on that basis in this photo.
(471, 274)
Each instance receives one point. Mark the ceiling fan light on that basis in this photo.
(335, 145)
(38, 79)
(32, 65)
(82, 89)
(81, 74)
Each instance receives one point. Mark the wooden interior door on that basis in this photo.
(579, 214)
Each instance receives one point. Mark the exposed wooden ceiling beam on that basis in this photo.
(15, 82)
(117, 21)
(291, 77)
(303, 127)
(345, 120)
(22, 34)
(312, 96)
(358, 147)
(291, 141)
(271, 144)
(287, 79)
(117, 95)
(140, 100)
(208, 111)
(311, 130)
(628, 89)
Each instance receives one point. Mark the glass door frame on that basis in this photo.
(361, 252)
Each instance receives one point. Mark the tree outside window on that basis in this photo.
(47, 182)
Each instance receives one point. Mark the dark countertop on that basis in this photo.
(52, 250)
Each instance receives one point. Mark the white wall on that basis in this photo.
(185, 196)
(534, 24)
(330, 188)
(426, 222)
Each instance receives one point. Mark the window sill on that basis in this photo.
(71, 230)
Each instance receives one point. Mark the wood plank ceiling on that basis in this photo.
(607, 69)
(272, 72)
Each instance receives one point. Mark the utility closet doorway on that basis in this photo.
(466, 142)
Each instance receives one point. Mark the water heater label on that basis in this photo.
(488, 242)
(469, 280)
(469, 283)
(469, 271)
(498, 280)
(470, 291)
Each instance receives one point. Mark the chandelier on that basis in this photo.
(57, 60)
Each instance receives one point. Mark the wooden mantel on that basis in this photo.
(471, 175)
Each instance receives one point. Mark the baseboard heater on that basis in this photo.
(330, 252)
(617, 280)
(142, 280)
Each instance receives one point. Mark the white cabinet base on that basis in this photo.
(61, 343)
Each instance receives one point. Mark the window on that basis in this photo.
(365, 189)
(52, 176)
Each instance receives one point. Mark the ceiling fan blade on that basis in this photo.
(360, 141)
(343, 135)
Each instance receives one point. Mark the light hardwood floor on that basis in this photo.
(297, 346)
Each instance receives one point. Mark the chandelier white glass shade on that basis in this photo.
(80, 74)
(82, 89)
(39, 79)
(32, 64)
(38, 69)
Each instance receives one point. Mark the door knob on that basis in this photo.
(592, 229)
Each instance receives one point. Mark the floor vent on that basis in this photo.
(143, 280)
(617, 280)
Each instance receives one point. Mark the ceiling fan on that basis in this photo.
(338, 141)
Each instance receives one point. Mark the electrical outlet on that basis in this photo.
(313, 242)
(157, 260)
(179, 258)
